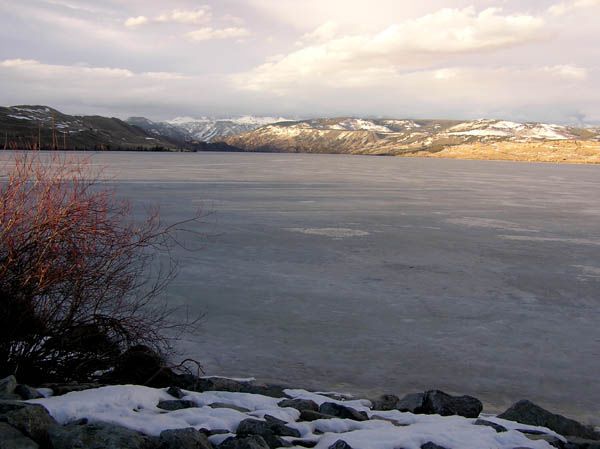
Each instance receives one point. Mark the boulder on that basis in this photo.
(26, 392)
(58, 389)
(7, 388)
(280, 427)
(176, 404)
(526, 412)
(98, 436)
(31, 419)
(412, 403)
(341, 411)
(311, 415)
(188, 438)
(270, 430)
(304, 443)
(201, 384)
(431, 445)
(11, 438)
(230, 406)
(436, 402)
(581, 443)
(246, 442)
(175, 392)
(340, 444)
(497, 427)
(385, 402)
(299, 404)
(550, 439)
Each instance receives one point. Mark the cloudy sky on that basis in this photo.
(534, 60)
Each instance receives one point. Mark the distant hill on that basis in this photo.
(27, 127)
(398, 137)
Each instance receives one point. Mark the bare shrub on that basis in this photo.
(80, 280)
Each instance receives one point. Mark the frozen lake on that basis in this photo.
(381, 274)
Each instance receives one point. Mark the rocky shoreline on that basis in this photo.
(222, 413)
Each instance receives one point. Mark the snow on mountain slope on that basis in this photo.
(396, 136)
(511, 130)
(356, 124)
(207, 129)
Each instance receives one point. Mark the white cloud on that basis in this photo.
(178, 16)
(562, 8)
(136, 21)
(413, 44)
(193, 17)
(322, 33)
(568, 72)
(208, 33)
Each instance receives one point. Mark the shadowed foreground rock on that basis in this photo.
(436, 402)
(98, 436)
(189, 438)
(249, 442)
(526, 412)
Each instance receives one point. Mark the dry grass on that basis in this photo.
(565, 151)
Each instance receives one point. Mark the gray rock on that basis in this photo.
(211, 432)
(11, 438)
(299, 404)
(431, 445)
(59, 389)
(526, 412)
(235, 386)
(26, 392)
(550, 439)
(440, 403)
(7, 388)
(340, 444)
(31, 419)
(247, 442)
(304, 443)
(98, 436)
(280, 427)
(581, 443)
(231, 406)
(270, 430)
(266, 430)
(497, 427)
(176, 404)
(412, 403)
(437, 402)
(176, 392)
(311, 415)
(385, 402)
(341, 411)
(188, 438)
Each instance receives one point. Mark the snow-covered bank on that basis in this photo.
(219, 414)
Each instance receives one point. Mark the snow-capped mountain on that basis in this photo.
(396, 136)
(203, 129)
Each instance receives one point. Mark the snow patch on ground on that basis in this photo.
(134, 407)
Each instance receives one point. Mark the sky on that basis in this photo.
(528, 60)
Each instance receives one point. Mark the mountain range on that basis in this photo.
(395, 137)
(32, 126)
